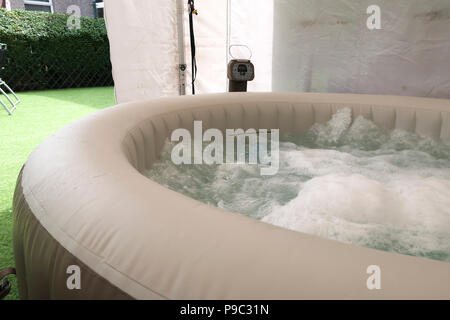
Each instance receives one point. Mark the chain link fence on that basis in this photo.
(29, 69)
(43, 53)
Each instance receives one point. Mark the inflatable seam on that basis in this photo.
(136, 150)
(395, 118)
(292, 115)
(154, 141)
(415, 121)
(130, 148)
(278, 117)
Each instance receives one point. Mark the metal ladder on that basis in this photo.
(5, 90)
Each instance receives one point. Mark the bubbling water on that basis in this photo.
(348, 181)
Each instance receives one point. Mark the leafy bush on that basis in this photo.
(43, 53)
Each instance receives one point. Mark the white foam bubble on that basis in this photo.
(406, 214)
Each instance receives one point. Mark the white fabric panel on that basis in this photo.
(251, 24)
(325, 46)
(297, 45)
(144, 48)
(210, 28)
(144, 53)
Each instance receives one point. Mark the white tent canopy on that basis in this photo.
(296, 45)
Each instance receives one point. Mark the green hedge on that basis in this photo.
(43, 53)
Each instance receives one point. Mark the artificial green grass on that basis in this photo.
(38, 115)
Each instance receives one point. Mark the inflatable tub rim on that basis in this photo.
(149, 242)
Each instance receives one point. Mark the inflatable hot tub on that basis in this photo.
(81, 200)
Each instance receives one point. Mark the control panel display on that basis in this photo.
(241, 70)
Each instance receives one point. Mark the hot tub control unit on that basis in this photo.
(239, 72)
